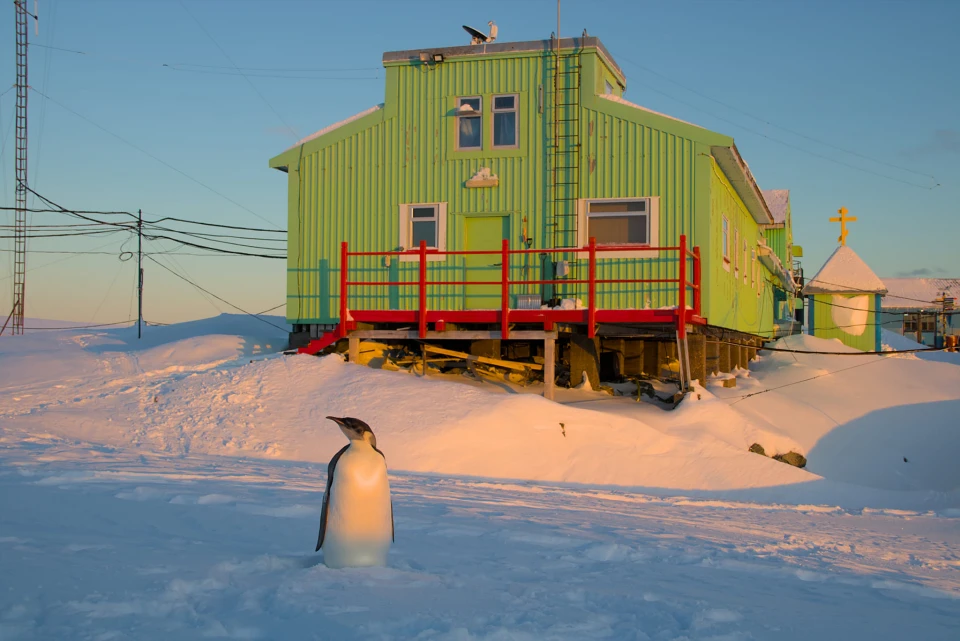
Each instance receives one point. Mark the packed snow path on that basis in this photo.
(171, 488)
(112, 546)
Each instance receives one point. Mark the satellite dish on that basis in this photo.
(478, 37)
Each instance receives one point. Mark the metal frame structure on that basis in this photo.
(20, 169)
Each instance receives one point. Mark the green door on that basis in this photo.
(483, 233)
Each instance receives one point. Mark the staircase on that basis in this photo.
(317, 345)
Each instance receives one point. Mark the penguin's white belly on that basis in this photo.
(359, 520)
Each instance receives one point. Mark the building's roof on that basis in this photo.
(336, 125)
(532, 46)
(919, 293)
(778, 200)
(614, 98)
(845, 273)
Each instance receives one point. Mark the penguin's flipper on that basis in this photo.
(331, 467)
(393, 531)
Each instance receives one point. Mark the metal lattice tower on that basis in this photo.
(20, 223)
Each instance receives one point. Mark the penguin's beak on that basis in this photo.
(338, 421)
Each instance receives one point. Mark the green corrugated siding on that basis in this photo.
(777, 240)
(349, 185)
(824, 325)
(736, 300)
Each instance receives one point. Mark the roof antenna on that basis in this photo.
(478, 37)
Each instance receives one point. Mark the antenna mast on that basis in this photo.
(20, 168)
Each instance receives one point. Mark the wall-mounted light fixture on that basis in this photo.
(438, 58)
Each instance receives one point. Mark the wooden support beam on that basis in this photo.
(520, 367)
(549, 367)
(354, 349)
(451, 335)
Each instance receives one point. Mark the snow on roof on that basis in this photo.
(845, 272)
(918, 293)
(777, 201)
(337, 125)
(613, 98)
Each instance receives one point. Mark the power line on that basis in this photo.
(283, 329)
(157, 159)
(38, 329)
(788, 144)
(249, 82)
(767, 122)
(746, 396)
(255, 72)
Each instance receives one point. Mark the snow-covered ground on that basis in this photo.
(171, 487)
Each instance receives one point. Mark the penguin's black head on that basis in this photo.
(355, 429)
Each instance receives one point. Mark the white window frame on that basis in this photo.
(725, 239)
(653, 226)
(745, 259)
(516, 120)
(412, 254)
(478, 115)
(736, 253)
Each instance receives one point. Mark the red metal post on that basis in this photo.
(505, 289)
(423, 290)
(682, 289)
(343, 289)
(698, 292)
(592, 291)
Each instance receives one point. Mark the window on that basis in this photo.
(621, 221)
(726, 243)
(746, 265)
(504, 121)
(469, 123)
(736, 253)
(607, 87)
(910, 323)
(928, 323)
(423, 221)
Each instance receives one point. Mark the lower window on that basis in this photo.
(627, 221)
(423, 222)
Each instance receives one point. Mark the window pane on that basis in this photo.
(424, 212)
(618, 206)
(617, 230)
(425, 230)
(504, 102)
(469, 132)
(505, 129)
(473, 102)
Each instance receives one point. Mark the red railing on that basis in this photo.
(683, 314)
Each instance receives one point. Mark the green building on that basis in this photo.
(844, 301)
(778, 257)
(525, 150)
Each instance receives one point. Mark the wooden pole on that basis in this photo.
(549, 367)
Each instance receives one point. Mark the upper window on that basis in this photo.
(607, 87)
(505, 121)
(469, 123)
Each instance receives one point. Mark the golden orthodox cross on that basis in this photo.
(843, 219)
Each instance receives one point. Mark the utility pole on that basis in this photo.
(20, 169)
(139, 271)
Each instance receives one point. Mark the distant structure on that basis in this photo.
(778, 254)
(922, 309)
(843, 301)
(506, 195)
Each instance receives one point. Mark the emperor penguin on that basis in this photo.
(356, 523)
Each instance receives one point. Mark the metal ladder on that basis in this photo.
(564, 149)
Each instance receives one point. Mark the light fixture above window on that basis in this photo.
(438, 58)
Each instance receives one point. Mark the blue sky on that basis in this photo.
(799, 85)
